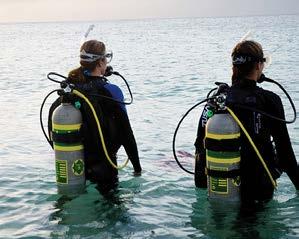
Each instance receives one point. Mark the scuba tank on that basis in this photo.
(69, 151)
(222, 144)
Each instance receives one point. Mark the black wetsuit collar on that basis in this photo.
(91, 83)
(90, 78)
(246, 83)
(95, 78)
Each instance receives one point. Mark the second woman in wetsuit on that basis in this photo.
(248, 64)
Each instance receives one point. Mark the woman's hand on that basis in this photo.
(137, 173)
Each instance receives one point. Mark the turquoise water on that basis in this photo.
(170, 64)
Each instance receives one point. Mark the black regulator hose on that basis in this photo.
(264, 78)
(109, 72)
(56, 74)
(128, 87)
(211, 91)
(41, 116)
(175, 133)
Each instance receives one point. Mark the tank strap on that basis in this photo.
(223, 145)
(223, 174)
(67, 137)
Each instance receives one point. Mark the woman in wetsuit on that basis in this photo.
(271, 137)
(106, 98)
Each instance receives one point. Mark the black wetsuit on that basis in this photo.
(255, 183)
(116, 128)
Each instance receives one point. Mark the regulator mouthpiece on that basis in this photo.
(109, 71)
(264, 78)
(268, 60)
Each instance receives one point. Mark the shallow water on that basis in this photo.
(170, 64)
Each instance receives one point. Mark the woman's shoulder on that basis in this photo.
(270, 96)
(268, 93)
(117, 94)
(115, 91)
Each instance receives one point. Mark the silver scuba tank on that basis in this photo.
(69, 151)
(222, 145)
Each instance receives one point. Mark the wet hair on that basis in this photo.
(90, 47)
(245, 56)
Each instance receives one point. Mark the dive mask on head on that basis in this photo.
(268, 60)
(88, 57)
(244, 59)
(109, 56)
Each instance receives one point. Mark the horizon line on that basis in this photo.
(145, 18)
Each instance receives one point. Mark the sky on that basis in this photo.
(96, 10)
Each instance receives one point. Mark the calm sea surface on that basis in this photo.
(170, 64)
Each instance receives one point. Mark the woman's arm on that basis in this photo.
(200, 177)
(126, 135)
(128, 140)
(286, 157)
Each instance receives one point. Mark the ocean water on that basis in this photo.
(170, 65)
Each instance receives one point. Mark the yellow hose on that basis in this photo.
(100, 131)
(253, 145)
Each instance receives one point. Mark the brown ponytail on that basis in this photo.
(76, 76)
